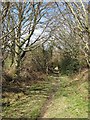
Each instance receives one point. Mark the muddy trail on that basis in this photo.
(56, 85)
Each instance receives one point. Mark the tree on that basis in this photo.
(20, 27)
(82, 18)
(73, 28)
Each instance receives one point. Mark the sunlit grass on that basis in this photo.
(69, 101)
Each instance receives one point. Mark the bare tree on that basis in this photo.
(24, 27)
(73, 27)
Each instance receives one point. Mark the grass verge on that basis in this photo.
(70, 101)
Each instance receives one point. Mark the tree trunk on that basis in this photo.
(17, 61)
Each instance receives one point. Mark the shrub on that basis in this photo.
(69, 65)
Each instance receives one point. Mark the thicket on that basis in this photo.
(69, 65)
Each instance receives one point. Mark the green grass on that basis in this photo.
(24, 107)
(29, 105)
(70, 101)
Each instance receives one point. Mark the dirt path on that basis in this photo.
(56, 85)
(66, 101)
